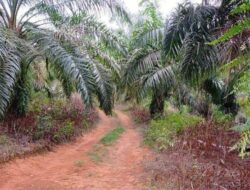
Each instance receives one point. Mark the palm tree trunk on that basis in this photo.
(157, 104)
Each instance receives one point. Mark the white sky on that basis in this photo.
(166, 6)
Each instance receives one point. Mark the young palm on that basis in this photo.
(146, 71)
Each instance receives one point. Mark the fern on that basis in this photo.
(244, 141)
(233, 31)
(242, 8)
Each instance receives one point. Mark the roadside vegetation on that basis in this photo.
(162, 132)
(47, 122)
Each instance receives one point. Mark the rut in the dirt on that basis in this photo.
(71, 167)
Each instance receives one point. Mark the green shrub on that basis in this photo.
(245, 105)
(161, 132)
(44, 126)
(220, 117)
(185, 109)
(39, 99)
(244, 141)
(65, 132)
(4, 140)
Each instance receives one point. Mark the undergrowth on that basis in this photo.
(201, 159)
(161, 132)
(243, 144)
(48, 121)
(220, 117)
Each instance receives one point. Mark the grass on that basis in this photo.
(220, 117)
(245, 105)
(4, 140)
(112, 136)
(100, 150)
(162, 131)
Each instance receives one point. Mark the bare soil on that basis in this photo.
(69, 166)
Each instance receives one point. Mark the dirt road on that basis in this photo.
(71, 166)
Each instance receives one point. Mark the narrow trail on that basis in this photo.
(121, 169)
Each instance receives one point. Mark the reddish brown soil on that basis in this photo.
(57, 170)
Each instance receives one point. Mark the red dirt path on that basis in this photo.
(57, 170)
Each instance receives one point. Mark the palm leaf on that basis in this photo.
(10, 59)
(157, 80)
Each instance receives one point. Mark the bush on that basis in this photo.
(161, 132)
(245, 105)
(243, 144)
(52, 120)
(220, 117)
(65, 133)
(43, 127)
(4, 139)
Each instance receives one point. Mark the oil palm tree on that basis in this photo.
(32, 31)
(146, 71)
(185, 58)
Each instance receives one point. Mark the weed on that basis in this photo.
(48, 120)
(220, 117)
(44, 126)
(161, 132)
(112, 136)
(4, 140)
(243, 144)
(65, 132)
(245, 105)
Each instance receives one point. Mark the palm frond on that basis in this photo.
(151, 37)
(10, 59)
(103, 86)
(187, 18)
(140, 62)
(199, 59)
(157, 80)
(67, 7)
(63, 60)
(98, 53)
(233, 31)
(216, 88)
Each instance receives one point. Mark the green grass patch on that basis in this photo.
(161, 132)
(220, 117)
(112, 136)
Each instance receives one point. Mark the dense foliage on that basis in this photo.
(68, 38)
